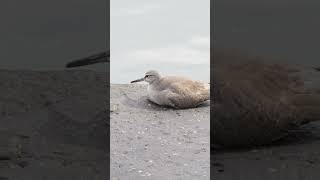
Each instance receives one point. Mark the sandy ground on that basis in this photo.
(53, 126)
(149, 142)
(295, 158)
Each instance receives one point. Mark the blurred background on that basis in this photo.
(286, 30)
(45, 34)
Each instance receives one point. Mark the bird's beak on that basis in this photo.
(93, 59)
(138, 80)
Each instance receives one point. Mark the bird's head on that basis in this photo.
(149, 77)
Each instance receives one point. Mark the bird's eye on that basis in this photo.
(147, 75)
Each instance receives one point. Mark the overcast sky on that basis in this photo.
(170, 36)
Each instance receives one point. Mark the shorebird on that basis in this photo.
(257, 101)
(175, 91)
(93, 59)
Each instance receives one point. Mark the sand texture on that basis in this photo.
(150, 142)
(53, 125)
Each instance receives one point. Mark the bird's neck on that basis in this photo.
(156, 84)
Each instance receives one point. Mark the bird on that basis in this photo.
(258, 101)
(93, 59)
(175, 91)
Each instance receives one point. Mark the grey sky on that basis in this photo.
(170, 36)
